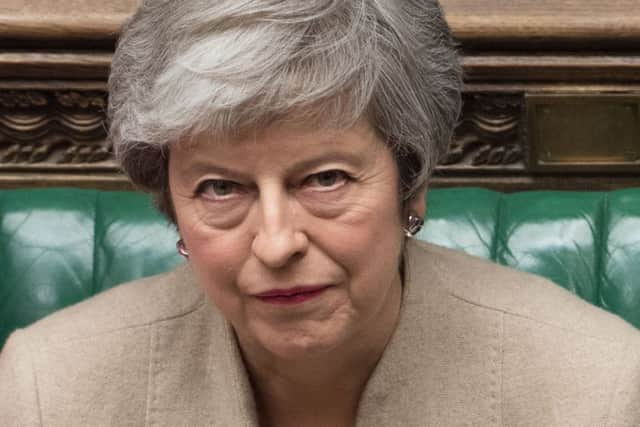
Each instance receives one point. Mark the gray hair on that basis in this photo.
(225, 67)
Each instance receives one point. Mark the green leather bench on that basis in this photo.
(60, 246)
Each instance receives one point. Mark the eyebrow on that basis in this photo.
(198, 168)
(353, 158)
(202, 167)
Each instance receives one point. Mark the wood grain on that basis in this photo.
(476, 23)
(55, 65)
(104, 181)
(63, 19)
(511, 49)
(545, 67)
(615, 22)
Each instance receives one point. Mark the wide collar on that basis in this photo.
(196, 373)
(442, 365)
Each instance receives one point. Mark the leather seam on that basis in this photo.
(496, 229)
(94, 246)
(604, 221)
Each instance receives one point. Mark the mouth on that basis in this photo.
(294, 295)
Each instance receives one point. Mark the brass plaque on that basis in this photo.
(594, 132)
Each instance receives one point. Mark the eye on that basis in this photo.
(327, 180)
(217, 189)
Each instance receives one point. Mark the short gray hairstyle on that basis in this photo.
(225, 67)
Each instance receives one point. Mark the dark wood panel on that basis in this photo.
(485, 67)
(55, 56)
(487, 23)
(106, 181)
(63, 19)
(552, 87)
(55, 65)
(550, 23)
(54, 130)
(544, 67)
(61, 130)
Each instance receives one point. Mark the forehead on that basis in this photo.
(279, 145)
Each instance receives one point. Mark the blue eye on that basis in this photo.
(217, 188)
(327, 179)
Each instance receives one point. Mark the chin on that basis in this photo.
(299, 342)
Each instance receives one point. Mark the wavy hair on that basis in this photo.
(227, 67)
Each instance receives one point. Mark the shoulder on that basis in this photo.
(482, 283)
(562, 360)
(92, 362)
(128, 306)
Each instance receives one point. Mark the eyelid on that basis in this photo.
(342, 175)
(200, 187)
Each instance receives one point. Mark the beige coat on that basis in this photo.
(476, 345)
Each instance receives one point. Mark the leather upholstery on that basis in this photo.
(60, 246)
(587, 242)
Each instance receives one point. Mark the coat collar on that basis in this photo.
(441, 366)
(196, 373)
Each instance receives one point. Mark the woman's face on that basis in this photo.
(295, 236)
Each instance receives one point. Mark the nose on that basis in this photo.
(278, 239)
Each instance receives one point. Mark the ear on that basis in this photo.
(418, 203)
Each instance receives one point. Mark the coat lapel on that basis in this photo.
(442, 366)
(196, 374)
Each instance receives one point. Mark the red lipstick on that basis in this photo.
(294, 295)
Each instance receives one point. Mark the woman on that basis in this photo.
(290, 143)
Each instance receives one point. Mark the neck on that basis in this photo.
(320, 389)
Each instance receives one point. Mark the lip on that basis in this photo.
(295, 295)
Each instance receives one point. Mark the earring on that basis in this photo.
(182, 249)
(414, 225)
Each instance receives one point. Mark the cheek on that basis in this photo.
(368, 247)
(212, 250)
(216, 258)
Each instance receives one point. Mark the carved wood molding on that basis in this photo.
(490, 134)
(55, 134)
(55, 57)
(53, 130)
(65, 130)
